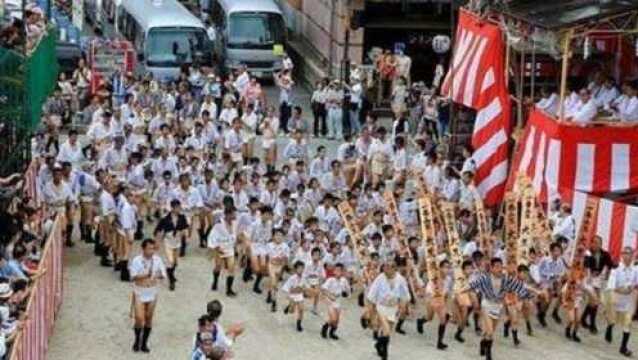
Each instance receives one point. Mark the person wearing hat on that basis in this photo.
(234, 141)
(115, 158)
(205, 348)
(172, 229)
(107, 214)
(222, 240)
(147, 270)
(622, 286)
(59, 198)
(387, 293)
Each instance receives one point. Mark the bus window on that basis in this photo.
(255, 30)
(168, 47)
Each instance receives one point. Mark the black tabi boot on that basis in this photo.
(269, 297)
(385, 345)
(623, 345)
(324, 330)
(609, 333)
(541, 318)
(145, 334)
(360, 300)
(517, 342)
(215, 281)
(483, 345)
(124, 273)
(256, 288)
(69, 232)
(97, 245)
(104, 260)
(420, 322)
(592, 320)
(229, 286)
(440, 344)
(459, 335)
(568, 332)
(287, 310)
(530, 331)
(182, 248)
(248, 273)
(575, 335)
(399, 327)
(364, 323)
(273, 306)
(138, 340)
(202, 239)
(506, 328)
(488, 349)
(171, 278)
(139, 232)
(299, 328)
(477, 323)
(333, 333)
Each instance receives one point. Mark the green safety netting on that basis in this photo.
(25, 84)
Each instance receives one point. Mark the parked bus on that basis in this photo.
(165, 35)
(249, 32)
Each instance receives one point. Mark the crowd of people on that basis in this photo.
(21, 243)
(200, 162)
(599, 100)
(27, 28)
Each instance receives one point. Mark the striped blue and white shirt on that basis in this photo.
(486, 285)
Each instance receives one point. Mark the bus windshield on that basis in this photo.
(255, 30)
(172, 47)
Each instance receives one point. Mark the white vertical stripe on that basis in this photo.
(487, 114)
(461, 73)
(465, 38)
(488, 80)
(629, 231)
(495, 178)
(585, 167)
(603, 226)
(620, 167)
(486, 150)
(470, 84)
(553, 168)
(539, 167)
(523, 167)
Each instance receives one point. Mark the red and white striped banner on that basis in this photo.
(562, 157)
(477, 80)
(573, 163)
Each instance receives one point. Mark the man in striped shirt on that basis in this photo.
(552, 270)
(492, 288)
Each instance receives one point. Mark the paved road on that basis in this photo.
(94, 323)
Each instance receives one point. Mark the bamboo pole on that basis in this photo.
(563, 75)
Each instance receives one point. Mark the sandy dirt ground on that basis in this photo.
(94, 324)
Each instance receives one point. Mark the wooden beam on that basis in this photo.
(563, 76)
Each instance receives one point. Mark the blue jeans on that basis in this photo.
(335, 122)
(355, 124)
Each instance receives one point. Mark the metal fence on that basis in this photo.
(25, 84)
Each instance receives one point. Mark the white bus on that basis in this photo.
(247, 32)
(165, 35)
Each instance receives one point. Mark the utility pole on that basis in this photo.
(345, 107)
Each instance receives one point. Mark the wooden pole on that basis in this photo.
(563, 75)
